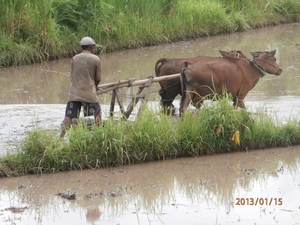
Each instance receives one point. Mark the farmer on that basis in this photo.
(85, 77)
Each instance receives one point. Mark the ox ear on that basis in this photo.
(240, 54)
(272, 53)
(224, 53)
(254, 54)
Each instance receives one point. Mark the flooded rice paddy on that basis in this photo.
(204, 190)
(256, 187)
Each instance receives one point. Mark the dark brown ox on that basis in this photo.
(208, 76)
(167, 66)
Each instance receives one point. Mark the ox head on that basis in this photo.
(266, 61)
(233, 54)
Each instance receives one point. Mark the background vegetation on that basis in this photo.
(216, 128)
(34, 31)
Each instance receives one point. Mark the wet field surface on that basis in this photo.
(257, 187)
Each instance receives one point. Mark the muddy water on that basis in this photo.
(258, 187)
(186, 191)
(36, 95)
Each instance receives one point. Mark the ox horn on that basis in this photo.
(272, 53)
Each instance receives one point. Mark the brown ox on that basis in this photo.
(167, 66)
(209, 75)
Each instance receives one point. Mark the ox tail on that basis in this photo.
(158, 66)
(183, 82)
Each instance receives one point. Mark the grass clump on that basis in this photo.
(272, 135)
(33, 31)
(212, 130)
(216, 128)
(109, 144)
(151, 137)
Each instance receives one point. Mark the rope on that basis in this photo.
(260, 67)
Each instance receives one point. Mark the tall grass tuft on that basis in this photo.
(288, 9)
(110, 141)
(34, 31)
(212, 130)
(151, 137)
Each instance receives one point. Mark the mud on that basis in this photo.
(203, 190)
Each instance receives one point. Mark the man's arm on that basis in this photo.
(96, 83)
(98, 74)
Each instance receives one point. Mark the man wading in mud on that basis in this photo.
(85, 77)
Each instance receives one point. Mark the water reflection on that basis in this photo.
(200, 190)
(93, 214)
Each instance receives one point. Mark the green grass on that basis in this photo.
(34, 31)
(152, 136)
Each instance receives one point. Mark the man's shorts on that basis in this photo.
(89, 109)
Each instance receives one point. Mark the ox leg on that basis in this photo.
(166, 102)
(168, 109)
(197, 100)
(184, 103)
(235, 102)
(239, 103)
(198, 104)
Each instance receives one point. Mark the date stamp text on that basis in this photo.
(258, 201)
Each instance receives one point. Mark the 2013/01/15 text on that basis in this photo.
(258, 201)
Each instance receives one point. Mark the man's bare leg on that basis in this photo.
(65, 125)
(98, 119)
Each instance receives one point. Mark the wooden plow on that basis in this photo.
(115, 86)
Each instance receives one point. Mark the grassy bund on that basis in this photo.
(217, 128)
(34, 30)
